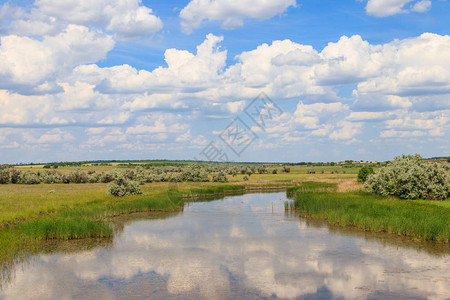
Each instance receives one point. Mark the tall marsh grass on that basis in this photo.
(422, 220)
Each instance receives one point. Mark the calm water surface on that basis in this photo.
(239, 247)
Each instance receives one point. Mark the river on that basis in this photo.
(239, 247)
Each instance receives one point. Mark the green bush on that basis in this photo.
(364, 172)
(219, 177)
(29, 178)
(4, 174)
(50, 177)
(408, 177)
(15, 175)
(124, 187)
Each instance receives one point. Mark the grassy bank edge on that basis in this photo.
(420, 220)
(94, 219)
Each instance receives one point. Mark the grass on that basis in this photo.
(421, 220)
(29, 214)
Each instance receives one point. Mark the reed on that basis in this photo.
(421, 220)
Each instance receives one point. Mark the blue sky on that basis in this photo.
(129, 79)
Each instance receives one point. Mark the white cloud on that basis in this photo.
(401, 133)
(53, 136)
(384, 8)
(231, 13)
(34, 63)
(369, 115)
(184, 137)
(57, 85)
(185, 72)
(416, 124)
(159, 127)
(126, 19)
(422, 6)
(346, 130)
(433, 122)
(312, 115)
(102, 137)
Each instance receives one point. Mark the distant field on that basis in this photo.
(293, 169)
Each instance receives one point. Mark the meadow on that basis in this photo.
(37, 212)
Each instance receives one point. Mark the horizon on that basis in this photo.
(205, 161)
(330, 80)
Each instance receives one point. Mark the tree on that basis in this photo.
(364, 172)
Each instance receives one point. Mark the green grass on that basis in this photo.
(422, 220)
(80, 213)
(312, 187)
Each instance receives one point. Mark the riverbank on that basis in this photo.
(30, 214)
(418, 219)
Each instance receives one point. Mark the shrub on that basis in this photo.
(77, 177)
(15, 175)
(408, 177)
(94, 178)
(29, 178)
(245, 178)
(106, 178)
(364, 172)
(174, 177)
(219, 177)
(51, 177)
(274, 171)
(124, 187)
(262, 170)
(140, 175)
(4, 174)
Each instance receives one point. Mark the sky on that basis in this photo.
(129, 79)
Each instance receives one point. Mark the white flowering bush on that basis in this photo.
(29, 178)
(4, 174)
(219, 177)
(123, 186)
(409, 177)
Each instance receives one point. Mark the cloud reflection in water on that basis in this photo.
(243, 246)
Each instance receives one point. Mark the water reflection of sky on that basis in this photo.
(240, 247)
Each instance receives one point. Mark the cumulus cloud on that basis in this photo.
(125, 19)
(310, 116)
(53, 136)
(231, 13)
(385, 8)
(59, 85)
(29, 64)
